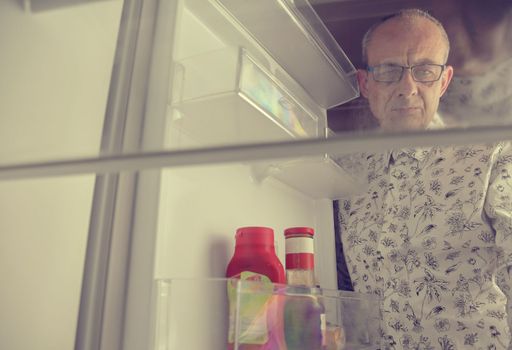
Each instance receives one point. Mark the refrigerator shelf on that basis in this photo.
(295, 36)
(225, 97)
(318, 177)
(185, 306)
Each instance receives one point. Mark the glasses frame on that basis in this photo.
(371, 69)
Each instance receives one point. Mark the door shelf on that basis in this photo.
(295, 36)
(225, 97)
(318, 177)
(184, 306)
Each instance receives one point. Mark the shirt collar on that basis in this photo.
(418, 153)
(436, 123)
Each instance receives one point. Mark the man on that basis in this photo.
(432, 236)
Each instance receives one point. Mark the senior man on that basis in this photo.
(432, 236)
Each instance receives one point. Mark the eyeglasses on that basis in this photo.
(391, 73)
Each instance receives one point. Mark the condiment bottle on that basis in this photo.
(255, 252)
(259, 314)
(304, 314)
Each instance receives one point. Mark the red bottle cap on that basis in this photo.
(255, 235)
(292, 231)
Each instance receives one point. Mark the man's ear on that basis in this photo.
(362, 79)
(446, 78)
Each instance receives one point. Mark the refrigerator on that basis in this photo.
(138, 135)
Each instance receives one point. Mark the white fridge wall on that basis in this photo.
(201, 207)
(55, 68)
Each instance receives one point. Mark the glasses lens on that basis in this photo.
(387, 73)
(427, 72)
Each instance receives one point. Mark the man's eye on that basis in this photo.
(390, 70)
(426, 72)
(388, 73)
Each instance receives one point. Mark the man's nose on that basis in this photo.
(407, 86)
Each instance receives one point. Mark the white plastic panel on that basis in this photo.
(56, 68)
(58, 65)
(44, 226)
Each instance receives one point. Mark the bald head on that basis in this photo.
(406, 19)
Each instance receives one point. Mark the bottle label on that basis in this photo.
(295, 245)
(248, 308)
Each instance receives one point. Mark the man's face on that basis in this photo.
(406, 104)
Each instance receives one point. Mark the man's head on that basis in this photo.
(405, 98)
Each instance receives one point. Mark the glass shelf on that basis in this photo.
(183, 306)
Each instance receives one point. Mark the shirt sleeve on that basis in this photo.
(498, 208)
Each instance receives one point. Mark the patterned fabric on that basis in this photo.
(479, 100)
(432, 236)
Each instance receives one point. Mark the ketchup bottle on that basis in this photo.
(255, 259)
(255, 252)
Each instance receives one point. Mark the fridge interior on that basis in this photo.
(235, 86)
(215, 78)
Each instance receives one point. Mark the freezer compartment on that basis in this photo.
(194, 314)
(225, 97)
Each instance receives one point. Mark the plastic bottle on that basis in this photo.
(255, 252)
(259, 316)
(304, 315)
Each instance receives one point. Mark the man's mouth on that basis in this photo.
(405, 109)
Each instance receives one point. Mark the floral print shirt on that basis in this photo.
(432, 236)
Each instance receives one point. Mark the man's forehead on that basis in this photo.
(400, 41)
(405, 24)
(401, 54)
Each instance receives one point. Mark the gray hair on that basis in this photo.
(403, 14)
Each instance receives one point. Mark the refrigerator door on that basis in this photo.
(56, 69)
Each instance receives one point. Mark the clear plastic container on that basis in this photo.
(192, 314)
(325, 176)
(318, 177)
(225, 97)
